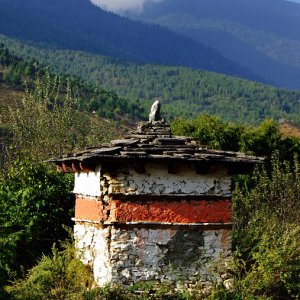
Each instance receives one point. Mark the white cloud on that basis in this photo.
(122, 5)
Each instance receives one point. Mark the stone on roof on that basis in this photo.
(154, 141)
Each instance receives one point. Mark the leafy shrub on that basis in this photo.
(262, 140)
(267, 235)
(60, 275)
(34, 204)
(276, 267)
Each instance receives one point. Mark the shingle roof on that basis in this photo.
(155, 142)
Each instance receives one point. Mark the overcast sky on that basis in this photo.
(123, 5)
(120, 6)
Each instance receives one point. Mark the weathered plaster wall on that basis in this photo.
(170, 255)
(156, 180)
(93, 244)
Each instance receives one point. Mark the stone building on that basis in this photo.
(153, 206)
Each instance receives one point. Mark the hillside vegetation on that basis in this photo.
(182, 91)
(88, 105)
(17, 74)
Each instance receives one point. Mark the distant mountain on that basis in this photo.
(261, 35)
(80, 25)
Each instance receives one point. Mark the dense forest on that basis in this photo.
(182, 91)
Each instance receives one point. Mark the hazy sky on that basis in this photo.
(136, 5)
(123, 5)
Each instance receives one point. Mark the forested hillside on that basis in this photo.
(183, 91)
(16, 74)
(261, 35)
(80, 25)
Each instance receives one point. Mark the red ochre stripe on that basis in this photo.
(89, 210)
(201, 211)
(175, 212)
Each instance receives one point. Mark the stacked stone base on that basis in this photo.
(174, 255)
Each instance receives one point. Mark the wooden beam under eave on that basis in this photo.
(139, 168)
(86, 168)
(76, 167)
(173, 168)
(66, 168)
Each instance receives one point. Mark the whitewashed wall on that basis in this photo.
(88, 183)
(156, 180)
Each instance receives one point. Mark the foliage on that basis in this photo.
(60, 275)
(49, 124)
(35, 201)
(276, 193)
(262, 140)
(34, 204)
(210, 131)
(267, 235)
(276, 266)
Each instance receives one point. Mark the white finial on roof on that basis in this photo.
(155, 112)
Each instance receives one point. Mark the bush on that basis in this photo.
(35, 202)
(262, 140)
(276, 263)
(267, 235)
(60, 275)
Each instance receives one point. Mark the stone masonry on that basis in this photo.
(169, 255)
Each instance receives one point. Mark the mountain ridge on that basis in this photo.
(80, 25)
(261, 35)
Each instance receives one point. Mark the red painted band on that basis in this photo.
(89, 209)
(196, 211)
(200, 211)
